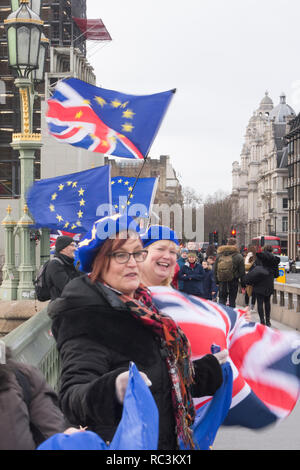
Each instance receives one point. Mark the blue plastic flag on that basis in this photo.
(210, 416)
(105, 121)
(137, 430)
(70, 202)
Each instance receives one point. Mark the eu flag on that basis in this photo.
(70, 202)
(138, 196)
(105, 121)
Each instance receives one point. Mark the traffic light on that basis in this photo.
(216, 237)
(233, 232)
(211, 238)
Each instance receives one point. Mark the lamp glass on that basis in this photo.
(38, 74)
(12, 49)
(23, 43)
(35, 5)
(34, 47)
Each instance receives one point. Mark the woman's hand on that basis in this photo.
(122, 381)
(222, 356)
(73, 430)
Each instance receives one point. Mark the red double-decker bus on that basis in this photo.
(267, 240)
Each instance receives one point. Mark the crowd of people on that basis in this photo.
(218, 276)
(103, 318)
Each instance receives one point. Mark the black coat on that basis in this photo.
(16, 417)
(262, 274)
(97, 337)
(192, 278)
(59, 273)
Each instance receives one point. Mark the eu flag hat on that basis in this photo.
(104, 228)
(158, 232)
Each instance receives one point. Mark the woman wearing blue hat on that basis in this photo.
(101, 324)
(162, 245)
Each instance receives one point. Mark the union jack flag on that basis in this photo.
(105, 121)
(265, 362)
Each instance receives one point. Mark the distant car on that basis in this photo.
(284, 263)
(296, 267)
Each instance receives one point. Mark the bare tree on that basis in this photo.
(218, 215)
(191, 197)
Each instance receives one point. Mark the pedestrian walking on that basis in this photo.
(261, 277)
(229, 269)
(102, 322)
(29, 406)
(61, 268)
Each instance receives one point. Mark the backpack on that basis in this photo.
(225, 268)
(27, 396)
(42, 290)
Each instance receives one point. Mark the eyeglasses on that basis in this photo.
(123, 257)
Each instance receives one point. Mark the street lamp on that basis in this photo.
(38, 74)
(24, 30)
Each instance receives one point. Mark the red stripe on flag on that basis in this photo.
(241, 345)
(273, 396)
(68, 134)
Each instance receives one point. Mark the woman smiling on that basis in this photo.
(101, 323)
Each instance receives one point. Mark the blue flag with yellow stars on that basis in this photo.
(138, 195)
(105, 121)
(70, 202)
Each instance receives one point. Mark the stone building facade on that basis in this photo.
(293, 139)
(260, 178)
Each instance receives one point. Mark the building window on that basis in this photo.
(285, 203)
(284, 224)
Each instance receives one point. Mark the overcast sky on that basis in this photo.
(221, 56)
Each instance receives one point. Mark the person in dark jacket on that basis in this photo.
(18, 416)
(192, 275)
(61, 268)
(261, 277)
(234, 270)
(181, 262)
(209, 285)
(101, 323)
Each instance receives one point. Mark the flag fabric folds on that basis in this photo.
(70, 202)
(265, 362)
(105, 121)
(210, 416)
(141, 195)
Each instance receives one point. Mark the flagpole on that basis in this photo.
(137, 178)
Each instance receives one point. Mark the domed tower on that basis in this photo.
(266, 105)
(281, 111)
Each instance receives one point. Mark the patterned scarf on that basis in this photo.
(178, 361)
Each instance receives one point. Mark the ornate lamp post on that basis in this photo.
(25, 55)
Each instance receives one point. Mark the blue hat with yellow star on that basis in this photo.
(104, 228)
(158, 232)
